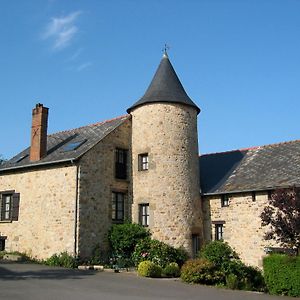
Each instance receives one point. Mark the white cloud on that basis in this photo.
(75, 55)
(84, 66)
(62, 30)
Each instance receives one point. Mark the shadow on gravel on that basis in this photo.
(23, 271)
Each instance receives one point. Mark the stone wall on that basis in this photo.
(46, 223)
(242, 228)
(97, 182)
(168, 133)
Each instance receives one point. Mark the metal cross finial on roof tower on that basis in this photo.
(166, 47)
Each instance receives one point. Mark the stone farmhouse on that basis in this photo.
(65, 191)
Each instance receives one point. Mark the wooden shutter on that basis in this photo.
(15, 206)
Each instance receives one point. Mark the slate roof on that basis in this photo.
(260, 168)
(165, 87)
(84, 137)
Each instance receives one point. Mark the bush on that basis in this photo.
(99, 257)
(282, 274)
(123, 239)
(172, 270)
(149, 269)
(217, 252)
(232, 282)
(202, 271)
(158, 252)
(247, 277)
(63, 259)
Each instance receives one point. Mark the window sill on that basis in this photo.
(5, 221)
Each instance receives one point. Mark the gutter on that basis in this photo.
(71, 160)
(250, 190)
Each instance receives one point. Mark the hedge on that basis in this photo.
(282, 274)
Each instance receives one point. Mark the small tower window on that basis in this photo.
(143, 161)
(195, 244)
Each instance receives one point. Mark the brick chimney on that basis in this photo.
(38, 148)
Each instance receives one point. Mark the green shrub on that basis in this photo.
(98, 257)
(149, 269)
(63, 259)
(202, 271)
(232, 281)
(2, 253)
(282, 274)
(172, 270)
(217, 252)
(158, 252)
(248, 278)
(123, 239)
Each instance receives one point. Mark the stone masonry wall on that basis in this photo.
(46, 213)
(168, 133)
(97, 182)
(242, 228)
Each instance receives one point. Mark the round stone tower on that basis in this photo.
(165, 161)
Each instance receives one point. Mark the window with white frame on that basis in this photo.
(143, 161)
(9, 206)
(144, 214)
(225, 200)
(219, 230)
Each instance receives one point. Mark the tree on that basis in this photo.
(2, 160)
(282, 215)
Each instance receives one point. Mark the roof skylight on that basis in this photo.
(72, 146)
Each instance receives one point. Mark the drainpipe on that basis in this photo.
(76, 211)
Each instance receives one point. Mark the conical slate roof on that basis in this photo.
(165, 87)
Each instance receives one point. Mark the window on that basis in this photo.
(224, 200)
(6, 207)
(9, 209)
(73, 146)
(117, 207)
(218, 232)
(144, 214)
(121, 164)
(143, 162)
(195, 244)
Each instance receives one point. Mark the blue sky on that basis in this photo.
(89, 60)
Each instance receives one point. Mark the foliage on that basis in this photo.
(98, 257)
(158, 252)
(171, 270)
(217, 252)
(202, 271)
(226, 261)
(247, 277)
(63, 259)
(149, 269)
(232, 282)
(282, 215)
(123, 239)
(282, 273)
